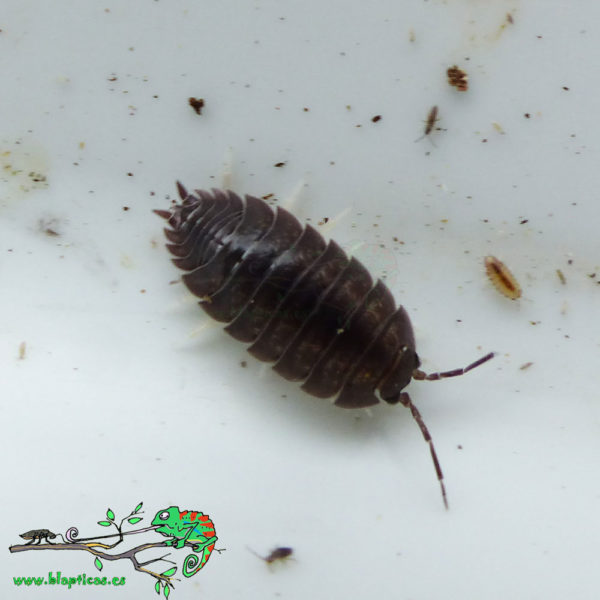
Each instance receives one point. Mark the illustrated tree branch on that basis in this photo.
(95, 549)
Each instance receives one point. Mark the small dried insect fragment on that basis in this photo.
(561, 276)
(525, 366)
(458, 78)
(430, 122)
(280, 553)
(504, 281)
(197, 104)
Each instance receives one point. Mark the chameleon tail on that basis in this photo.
(192, 564)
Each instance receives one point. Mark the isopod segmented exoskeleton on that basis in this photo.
(300, 301)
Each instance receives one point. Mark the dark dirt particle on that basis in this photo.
(197, 104)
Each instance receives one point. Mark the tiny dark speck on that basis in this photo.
(126, 208)
(565, 88)
(376, 118)
(527, 115)
(279, 164)
(129, 174)
(524, 221)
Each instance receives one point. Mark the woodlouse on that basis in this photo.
(298, 300)
(504, 281)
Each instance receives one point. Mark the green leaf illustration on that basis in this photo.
(98, 564)
(167, 591)
(134, 520)
(170, 572)
(110, 514)
(105, 523)
(157, 587)
(138, 507)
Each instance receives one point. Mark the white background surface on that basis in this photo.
(115, 403)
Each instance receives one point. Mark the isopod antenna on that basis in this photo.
(420, 375)
(407, 402)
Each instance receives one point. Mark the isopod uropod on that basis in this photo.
(299, 301)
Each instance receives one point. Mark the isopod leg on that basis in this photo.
(406, 401)
(227, 170)
(420, 375)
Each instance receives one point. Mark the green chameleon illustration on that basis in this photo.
(187, 528)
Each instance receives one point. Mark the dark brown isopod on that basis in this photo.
(298, 300)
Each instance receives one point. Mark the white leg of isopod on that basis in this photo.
(290, 201)
(334, 221)
(227, 172)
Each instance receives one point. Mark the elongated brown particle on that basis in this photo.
(503, 280)
(299, 301)
(458, 78)
(430, 122)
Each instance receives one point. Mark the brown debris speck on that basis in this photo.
(458, 78)
(197, 104)
(376, 118)
(561, 276)
(279, 164)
